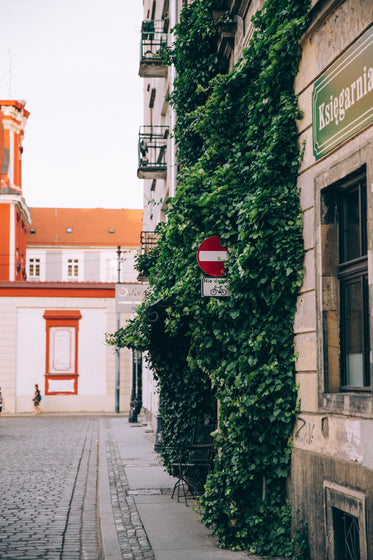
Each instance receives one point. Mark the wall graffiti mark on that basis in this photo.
(305, 430)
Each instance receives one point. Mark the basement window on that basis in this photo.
(345, 522)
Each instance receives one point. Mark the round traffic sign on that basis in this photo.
(211, 256)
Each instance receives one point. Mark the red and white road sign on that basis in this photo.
(211, 256)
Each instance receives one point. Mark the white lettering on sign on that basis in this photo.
(128, 297)
(335, 110)
(130, 292)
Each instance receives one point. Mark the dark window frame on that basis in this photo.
(354, 271)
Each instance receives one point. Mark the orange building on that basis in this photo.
(14, 214)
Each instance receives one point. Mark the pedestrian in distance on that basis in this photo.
(36, 400)
(1, 402)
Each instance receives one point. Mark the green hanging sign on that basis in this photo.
(342, 98)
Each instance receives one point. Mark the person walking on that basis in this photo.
(1, 402)
(36, 400)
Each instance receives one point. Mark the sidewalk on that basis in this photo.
(160, 527)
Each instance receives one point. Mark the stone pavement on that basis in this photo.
(89, 487)
(163, 528)
(48, 488)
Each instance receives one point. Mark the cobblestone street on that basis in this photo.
(48, 488)
(92, 488)
(48, 485)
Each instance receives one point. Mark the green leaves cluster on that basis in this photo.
(239, 158)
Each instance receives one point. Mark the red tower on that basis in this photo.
(14, 213)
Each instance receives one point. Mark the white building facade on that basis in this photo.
(54, 336)
(58, 271)
(157, 165)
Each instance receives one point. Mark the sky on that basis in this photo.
(75, 63)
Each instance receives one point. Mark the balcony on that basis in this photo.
(152, 152)
(153, 40)
(226, 26)
(235, 7)
(148, 241)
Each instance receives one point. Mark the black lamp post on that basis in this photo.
(136, 391)
(117, 350)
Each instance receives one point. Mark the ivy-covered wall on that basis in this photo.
(239, 158)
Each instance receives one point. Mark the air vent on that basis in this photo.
(69, 230)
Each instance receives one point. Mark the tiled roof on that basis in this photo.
(84, 227)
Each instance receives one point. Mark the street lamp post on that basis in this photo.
(132, 415)
(117, 351)
(136, 393)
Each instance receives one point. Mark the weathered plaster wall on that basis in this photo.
(332, 436)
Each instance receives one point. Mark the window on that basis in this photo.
(345, 522)
(346, 535)
(72, 268)
(353, 284)
(34, 268)
(345, 285)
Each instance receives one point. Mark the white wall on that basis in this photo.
(92, 352)
(23, 355)
(31, 343)
(107, 266)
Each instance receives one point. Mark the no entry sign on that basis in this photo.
(211, 256)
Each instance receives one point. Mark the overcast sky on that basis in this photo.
(75, 62)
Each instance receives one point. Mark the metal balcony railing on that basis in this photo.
(152, 149)
(154, 34)
(148, 241)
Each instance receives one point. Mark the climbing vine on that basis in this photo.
(239, 158)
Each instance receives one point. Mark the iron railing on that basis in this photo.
(152, 149)
(154, 35)
(148, 241)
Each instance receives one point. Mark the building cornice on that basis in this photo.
(58, 289)
(9, 198)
